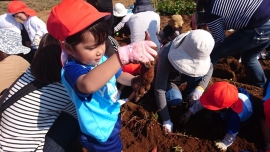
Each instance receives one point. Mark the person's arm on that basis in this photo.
(198, 91)
(136, 52)
(124, 20)
(119, 26)
(206, 78)
(39, 27)
(96, 78)
(232, 125)
(125, 78)
(161, 80)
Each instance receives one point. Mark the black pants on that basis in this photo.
(63, 136)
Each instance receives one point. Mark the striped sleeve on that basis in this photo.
(228, 14)
(217, 30)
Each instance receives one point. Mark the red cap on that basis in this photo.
(17, 6)
(70, 17)
(266, 105)
(222, 95)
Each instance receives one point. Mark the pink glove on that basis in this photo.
(136, 52)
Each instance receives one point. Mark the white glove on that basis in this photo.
(220, 145)
(36, 40)
(122, 101)
(196, 93)
(168, 125)
(226, 141)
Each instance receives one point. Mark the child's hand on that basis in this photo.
(122, 101)
(220, 145)
(137, 52)
(226, 141)
(36, 40)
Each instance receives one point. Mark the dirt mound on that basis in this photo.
(142, 130)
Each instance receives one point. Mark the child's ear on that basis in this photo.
(68, 49)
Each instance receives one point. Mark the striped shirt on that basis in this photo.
(25, 123)
(235, 14)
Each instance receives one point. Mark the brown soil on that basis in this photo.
(142, 129)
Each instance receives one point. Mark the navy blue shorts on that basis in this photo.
(113, 144)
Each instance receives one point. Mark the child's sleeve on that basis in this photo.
(118, 73)
(72, 73)
(232, 121)
(39, 26)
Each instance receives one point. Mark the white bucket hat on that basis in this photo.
(190, 52)
(11, 42)
(119, 10)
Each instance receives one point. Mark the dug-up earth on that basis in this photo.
(141, 126)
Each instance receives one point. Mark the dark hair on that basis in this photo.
(99, 29)
(46, 65)
(2, 56)
(201, 4)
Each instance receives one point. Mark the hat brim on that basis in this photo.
(237, 106)
(184, 63)
(26, 10)
(11, 43)
(266, 105)
(15, 50)
(123, 13)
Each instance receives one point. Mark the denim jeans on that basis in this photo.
(250, 43)
(173, 96)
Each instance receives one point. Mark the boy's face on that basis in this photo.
(22, 16)
(87, 52)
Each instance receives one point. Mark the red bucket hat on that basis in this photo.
(222, 95)
(71, 16)
(17, 6)
(266, 105)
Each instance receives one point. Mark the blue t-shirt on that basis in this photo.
(97, 112)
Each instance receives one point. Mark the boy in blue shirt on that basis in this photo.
(89, 76)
